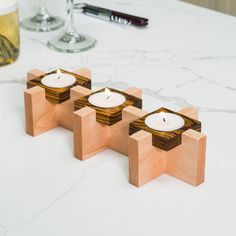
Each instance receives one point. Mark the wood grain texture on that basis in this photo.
(58, 95)
(146, 162)
(84, 72)
(109, 116)
(42, 115)
(91, 136)
(79, 91)
(120, 131)
(191, 112)
(134, 91)
(165, 140)
(185, 162)
(66, 109)
(32, 74)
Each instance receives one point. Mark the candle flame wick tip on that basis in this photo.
(108, 93)
(163, 116)
(58, 73)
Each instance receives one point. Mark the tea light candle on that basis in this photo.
(106, 99)
(58, 80)
(164, 121)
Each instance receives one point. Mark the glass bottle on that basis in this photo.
(9, 32)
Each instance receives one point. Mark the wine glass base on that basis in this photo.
(49, 24)
(71, 43)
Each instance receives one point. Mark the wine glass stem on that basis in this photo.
(42, 14)
(70, 17)
(41, 6)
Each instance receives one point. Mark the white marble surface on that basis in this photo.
(187, 56)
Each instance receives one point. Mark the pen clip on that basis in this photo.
(80, 6)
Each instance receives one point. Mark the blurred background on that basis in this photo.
(225, 6)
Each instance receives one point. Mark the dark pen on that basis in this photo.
(110, 15)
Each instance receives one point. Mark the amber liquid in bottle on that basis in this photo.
(9, 38)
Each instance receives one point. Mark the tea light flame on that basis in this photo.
(107, 93)
(58, 73)
(163, 116)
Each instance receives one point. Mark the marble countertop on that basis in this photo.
(186, 56)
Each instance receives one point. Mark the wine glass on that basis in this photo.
(71, 41)
(42, 21)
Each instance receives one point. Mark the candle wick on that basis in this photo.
(164, 119)
(59, 77)
(108, 96)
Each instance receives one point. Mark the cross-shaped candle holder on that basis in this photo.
(159, 142)
(49, 100)
(97, 128)
(179, 153)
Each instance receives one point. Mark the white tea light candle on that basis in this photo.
(58, 80)
(164, 121)
(106, 99)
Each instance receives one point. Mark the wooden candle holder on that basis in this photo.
(179, 153)
(109, 116)
(96, 129)
(165, 140)
(47, 108)
(185, 161)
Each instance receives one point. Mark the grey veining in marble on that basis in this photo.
(186, 57)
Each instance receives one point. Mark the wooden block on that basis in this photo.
(79, 91)
(40, 114)
(114, 136)
(145, 161)
(187, 161)
(90, 137)
(134, 91)
(120, 131)
(32, 74)
(66, 109)
(109, 116)
(165, 140)
(58, 95)
(85, 72)
(191, 112)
